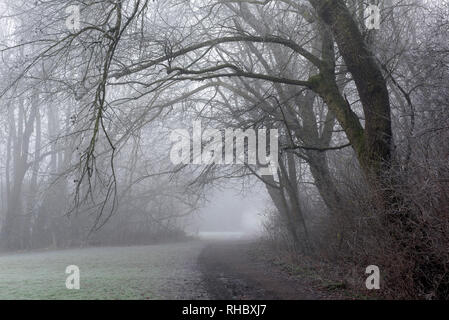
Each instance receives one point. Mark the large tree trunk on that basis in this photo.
(373, 143)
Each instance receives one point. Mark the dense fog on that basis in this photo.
(316, 130)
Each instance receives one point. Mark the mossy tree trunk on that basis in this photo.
(372, 143)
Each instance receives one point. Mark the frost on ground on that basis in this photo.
(166, 271)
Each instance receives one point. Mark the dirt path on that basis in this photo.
(231, 270)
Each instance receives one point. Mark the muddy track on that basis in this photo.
(231, 270)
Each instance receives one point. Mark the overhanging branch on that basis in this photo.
(210, 43)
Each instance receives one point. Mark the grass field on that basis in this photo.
(166, 271)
